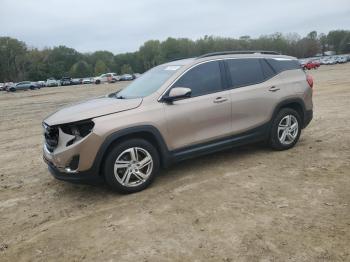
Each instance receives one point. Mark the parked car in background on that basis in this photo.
(41, 83)
(341, 60)
(107, 78)
(330, 61)
(136, 75)
(87, 80)
(66, 81)
(25, 85)
(51, 82)
(36, 85)
(77, 81)
(310, 65)
(2, 86)
(126, 77)
(7, 85)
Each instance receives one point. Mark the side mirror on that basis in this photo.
(177, 93)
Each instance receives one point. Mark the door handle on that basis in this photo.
(274, 89)
(220, 100)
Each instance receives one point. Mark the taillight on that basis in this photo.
(310, 80)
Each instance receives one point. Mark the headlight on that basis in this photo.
(78, 130)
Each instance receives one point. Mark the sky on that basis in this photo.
(123, 26)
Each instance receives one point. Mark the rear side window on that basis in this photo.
(267, 69)
(245, 72)
(282, 64)
(202, 79)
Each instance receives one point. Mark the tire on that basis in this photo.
(97, 82)
(122, 152)
(280, 126)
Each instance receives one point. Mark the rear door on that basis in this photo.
(204, 116)
(254, 92)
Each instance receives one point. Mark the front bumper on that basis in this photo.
(85, 177)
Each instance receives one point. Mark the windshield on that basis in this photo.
(148, 82)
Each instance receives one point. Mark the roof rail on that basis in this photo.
(239, 52)
(179, 58)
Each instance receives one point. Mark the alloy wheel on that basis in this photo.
(133, 167)
(288, 129)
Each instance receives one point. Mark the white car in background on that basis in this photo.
(51, 82)
(87, 80)
(107, 78)
(341, 59)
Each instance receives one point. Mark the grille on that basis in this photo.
(51, 137)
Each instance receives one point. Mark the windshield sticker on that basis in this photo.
(172, 68)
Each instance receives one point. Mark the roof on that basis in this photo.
(181, 62)
(230, 54)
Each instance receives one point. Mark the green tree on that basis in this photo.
(17, 62)
(81, 69)
(100, 68)
(12, 59)
(337, 40)
(150, 54)
(61, 59)
(105, 56)
(312, 35)
(36, 66)
(126, 69)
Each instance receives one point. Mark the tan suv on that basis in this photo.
(179, 110)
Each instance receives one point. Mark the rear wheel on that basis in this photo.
(97, 82)
(286, 129)
(131, 166)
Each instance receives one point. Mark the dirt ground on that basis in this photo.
(245, 204)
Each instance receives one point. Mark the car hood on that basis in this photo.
(91, 109)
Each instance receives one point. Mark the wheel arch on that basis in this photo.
(294, 103)
(146, 132)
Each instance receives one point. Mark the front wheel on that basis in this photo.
(131, 166)
(285, 130)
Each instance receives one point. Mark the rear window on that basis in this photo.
(245, 72)
(283, 64)
(267, 69)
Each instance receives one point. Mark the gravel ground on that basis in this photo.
(245, 204)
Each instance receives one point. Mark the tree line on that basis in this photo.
(19, 62)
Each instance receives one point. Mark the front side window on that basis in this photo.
(245, 72)
(202, 79)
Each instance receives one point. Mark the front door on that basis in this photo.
(204, 116)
